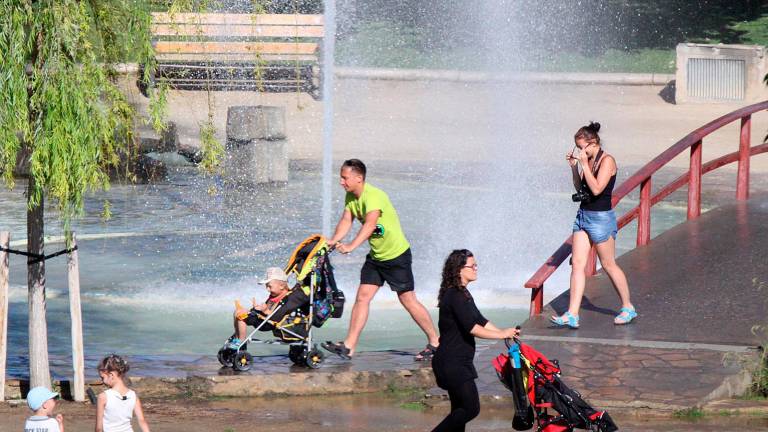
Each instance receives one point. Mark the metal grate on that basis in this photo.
(716, 79)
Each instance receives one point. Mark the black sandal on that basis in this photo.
(337, 348)
(426, 354)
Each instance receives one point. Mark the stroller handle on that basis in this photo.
(508, 341)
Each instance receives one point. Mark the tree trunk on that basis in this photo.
(39, 373)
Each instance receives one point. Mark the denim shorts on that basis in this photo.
(599, 225)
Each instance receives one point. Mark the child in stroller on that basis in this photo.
(289, 313)
(276, 283)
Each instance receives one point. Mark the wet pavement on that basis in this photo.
(700, 289)
(703, 281)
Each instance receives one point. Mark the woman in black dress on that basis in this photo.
(460, 322)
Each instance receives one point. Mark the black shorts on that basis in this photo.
(397, 272)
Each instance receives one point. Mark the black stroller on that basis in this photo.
(536, 387)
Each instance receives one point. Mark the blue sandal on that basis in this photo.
(621, 319)
(570, 321)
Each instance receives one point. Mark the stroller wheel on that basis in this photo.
(295, 354)
(225, 357)
(243, 361)
(314, 358)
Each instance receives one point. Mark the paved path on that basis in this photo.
(699, 288)
(274, 375)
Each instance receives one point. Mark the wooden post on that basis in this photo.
(5, 238)
(537, 301)
(694, 182)
(78, 361)
(742, 176)
(644, 218)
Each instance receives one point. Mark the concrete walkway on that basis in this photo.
(700, 288)
(164, 376)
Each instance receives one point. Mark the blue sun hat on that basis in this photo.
(37, 397)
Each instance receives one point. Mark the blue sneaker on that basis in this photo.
(234, 344)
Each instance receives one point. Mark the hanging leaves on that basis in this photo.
(58, 95)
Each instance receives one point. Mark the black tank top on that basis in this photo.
(601, 202)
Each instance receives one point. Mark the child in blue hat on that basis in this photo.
(43, 401)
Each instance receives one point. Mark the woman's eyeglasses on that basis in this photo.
(473, 266)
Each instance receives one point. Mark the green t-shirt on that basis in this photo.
(387, 241)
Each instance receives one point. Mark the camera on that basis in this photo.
(582, 196)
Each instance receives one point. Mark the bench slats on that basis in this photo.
(227, 58)
(266, 48)
(208, 31)
(238, 19)
(264, 52)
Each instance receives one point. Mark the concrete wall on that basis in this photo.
(752, 56)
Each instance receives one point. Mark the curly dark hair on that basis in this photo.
(114, 363)
(451, 269)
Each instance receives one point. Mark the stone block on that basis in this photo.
(257, 162)
(248, 123)
(151, 141)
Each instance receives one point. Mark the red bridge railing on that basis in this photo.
(642, 179)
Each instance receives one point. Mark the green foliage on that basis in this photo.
(759, 388)
(584, 36)
(106, 212)
(158, 106)
(414, 406)
(211, 147)
(58, 97)
(383, 44)
(694, 413)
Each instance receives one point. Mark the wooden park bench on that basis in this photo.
(222, 51)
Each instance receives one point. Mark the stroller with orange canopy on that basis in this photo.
(310, 303)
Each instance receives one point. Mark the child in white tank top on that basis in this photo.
(117, 405)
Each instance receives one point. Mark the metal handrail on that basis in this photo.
(642, 179)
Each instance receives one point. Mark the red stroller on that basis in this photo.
(536, 387)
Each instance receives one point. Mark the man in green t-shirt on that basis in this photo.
(388, 261)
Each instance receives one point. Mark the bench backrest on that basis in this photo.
(222, 37)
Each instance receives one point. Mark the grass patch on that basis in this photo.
(414, 406)
(694, 413)
(750, 396)
(612, 60)
(397, 391)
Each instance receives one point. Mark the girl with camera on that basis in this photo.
(594, 175)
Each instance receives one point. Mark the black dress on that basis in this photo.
(453, 363)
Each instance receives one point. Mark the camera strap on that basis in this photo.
(596, 163)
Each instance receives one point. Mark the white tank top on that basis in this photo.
(119, 411)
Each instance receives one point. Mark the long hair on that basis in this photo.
(451, 269)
